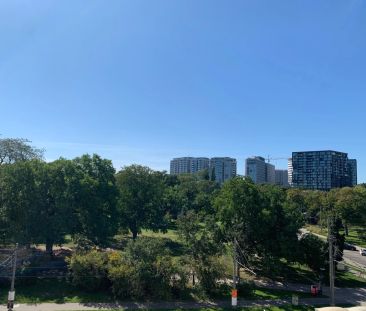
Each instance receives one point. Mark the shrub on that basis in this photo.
(146, 270)
(89, 270)
(208, 271)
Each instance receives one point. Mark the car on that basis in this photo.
(363, 252)
(350, 247)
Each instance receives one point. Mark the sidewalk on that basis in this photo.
(346, 296)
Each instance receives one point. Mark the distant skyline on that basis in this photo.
(146, 81)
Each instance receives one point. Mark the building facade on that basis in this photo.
(352, 171)
(281, 178)
(320, 170)
(222, 168)
(255, 168)
(188, 165)
(259, 171)
(289, 171)
(270, 174)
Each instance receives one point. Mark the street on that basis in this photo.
(355, 257)
(351, 257)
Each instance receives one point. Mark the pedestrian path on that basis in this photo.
(343, 296)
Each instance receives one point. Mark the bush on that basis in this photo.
(146, 270)
(120, 277)
(89, 270)
(208, 271)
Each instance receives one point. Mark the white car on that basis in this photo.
(363, 252)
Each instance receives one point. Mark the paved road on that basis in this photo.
(355, 257)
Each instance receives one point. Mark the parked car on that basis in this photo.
(350, 247)
(363, 252)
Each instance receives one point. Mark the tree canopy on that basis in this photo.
(18, 149)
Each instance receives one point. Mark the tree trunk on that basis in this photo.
(134, 234)
(346, 229)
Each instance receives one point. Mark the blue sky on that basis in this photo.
(145, 81)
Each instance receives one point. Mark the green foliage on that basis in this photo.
(18, 149)
(260, 221)
(89, 270)
(95, 199)
(312, 252)
(141, 193)
(34, 203)
(146, 270)
(203, 243)
(42, 202)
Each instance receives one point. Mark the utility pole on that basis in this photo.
(331, 260)
(11, 295)
(234, 292)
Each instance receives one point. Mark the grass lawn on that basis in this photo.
(51, 290)
(171, 234)
(348, 279)
(291, 273)
(355, 234)
(317, 229)
(59, 291)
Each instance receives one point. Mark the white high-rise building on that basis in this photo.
(188, 165)
(289, 171)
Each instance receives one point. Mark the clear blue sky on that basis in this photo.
(145, 81)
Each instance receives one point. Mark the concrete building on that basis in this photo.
(188, 165)
(270, 174)
(282, 178)
(352, 171)
(259, 171)
(255, 168)
(222, 168)
(320, 170)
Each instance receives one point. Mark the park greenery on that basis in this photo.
(105, 212)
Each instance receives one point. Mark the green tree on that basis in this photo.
(203, 243)
(239, 207)
(17, 149)
(281, 224)
(54, 208)
(94, 194)
(141, 199)
(258, 219)
(313, 252)
(19, 204)
(349, 202)
(35, 202)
